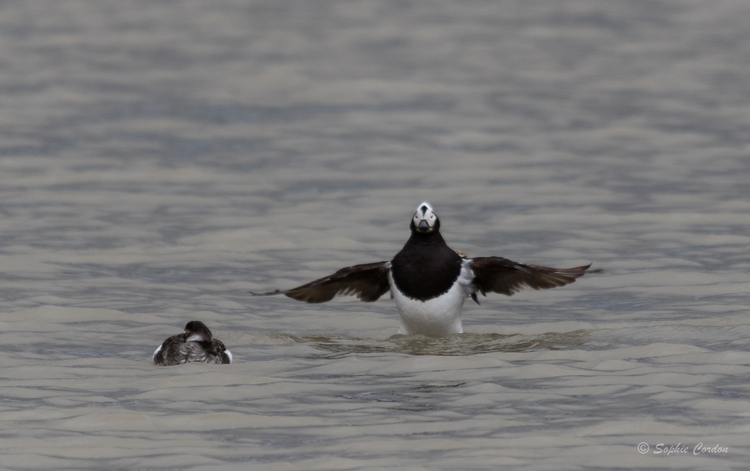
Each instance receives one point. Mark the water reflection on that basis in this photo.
(455, 345)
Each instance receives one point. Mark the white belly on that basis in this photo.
(435, 317)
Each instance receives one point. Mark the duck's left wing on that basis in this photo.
(500, 275)
(368, 282)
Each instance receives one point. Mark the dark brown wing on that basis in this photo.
(500, 275)
(217, 353)
(368, 282)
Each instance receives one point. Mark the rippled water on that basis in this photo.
(158, 160)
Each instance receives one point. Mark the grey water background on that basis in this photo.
(158, 160)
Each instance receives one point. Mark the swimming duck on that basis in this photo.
(195, 344)
(429, 281)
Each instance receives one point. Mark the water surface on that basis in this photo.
(160, 160)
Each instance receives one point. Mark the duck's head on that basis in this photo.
(196, 331)
(425, 220)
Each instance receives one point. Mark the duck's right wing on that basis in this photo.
(367, 282)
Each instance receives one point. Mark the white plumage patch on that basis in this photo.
(435, 317)
(158, 349)
(229, 354)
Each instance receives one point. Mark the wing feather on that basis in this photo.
(500, 275)
(367, 282)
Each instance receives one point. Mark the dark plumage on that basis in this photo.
(429, 281)
(368, 282)
(500, 275)
(195, 344)
(426, 267)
